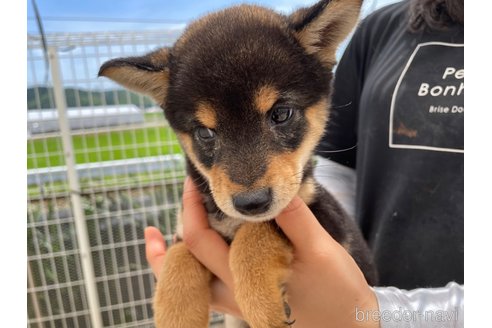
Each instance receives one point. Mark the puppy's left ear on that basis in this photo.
(323, 26)
(147, 74)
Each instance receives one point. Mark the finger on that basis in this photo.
(202, 241)
(301, 226)
(193, 202)
(155, 249)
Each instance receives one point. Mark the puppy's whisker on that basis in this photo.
(199, 184)
(195, 204)
(300, 173)
(342, 106)
(219, 214)
(337, 150)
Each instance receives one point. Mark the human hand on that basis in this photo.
(326, 285)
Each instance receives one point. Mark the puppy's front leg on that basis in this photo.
(259, 260)
(182, 295)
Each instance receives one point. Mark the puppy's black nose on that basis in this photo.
(253, 202)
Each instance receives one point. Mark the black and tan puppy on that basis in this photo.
(247, 92)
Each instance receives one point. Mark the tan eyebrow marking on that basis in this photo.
(206, 115)
(265, 98)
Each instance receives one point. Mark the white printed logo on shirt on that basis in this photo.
(427, 108)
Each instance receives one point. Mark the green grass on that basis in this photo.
(103, 147)
(153, 117)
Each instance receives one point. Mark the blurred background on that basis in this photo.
(102, 162)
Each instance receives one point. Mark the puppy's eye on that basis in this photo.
(205, 134)
(280, 115)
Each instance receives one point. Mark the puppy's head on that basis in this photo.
(247, 92)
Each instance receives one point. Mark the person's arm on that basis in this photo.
(423, 307)
(339, 180)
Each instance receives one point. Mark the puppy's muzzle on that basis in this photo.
(253, 202)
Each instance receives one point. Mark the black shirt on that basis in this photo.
(399, 97)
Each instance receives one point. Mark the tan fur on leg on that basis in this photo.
(259, 261)
(182, 294)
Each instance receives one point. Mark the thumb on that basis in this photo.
(155, 249)
(301, 226)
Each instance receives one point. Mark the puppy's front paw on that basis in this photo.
(182, 295)
(260, 261)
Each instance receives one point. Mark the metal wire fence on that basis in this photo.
(86, 254)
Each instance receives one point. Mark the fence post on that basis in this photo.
(34, 299)
(73, 183)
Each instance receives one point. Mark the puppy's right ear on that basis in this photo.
(147, 74)
(323, 26)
